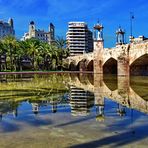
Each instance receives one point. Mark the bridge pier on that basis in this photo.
(98, 89)
(98, 56)
(98, 67)
(123, 66)
(123, 89)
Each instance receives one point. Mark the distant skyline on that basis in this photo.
(111, 14)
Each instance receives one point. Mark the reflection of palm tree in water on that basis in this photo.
(7, 107)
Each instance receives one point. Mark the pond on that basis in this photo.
(73, 110)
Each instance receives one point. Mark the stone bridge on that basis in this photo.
(124, 59)
(121, 92)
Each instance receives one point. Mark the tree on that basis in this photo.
(2, 51)
(60, 42)
(63, 52)
(11, 45)
(33, 46)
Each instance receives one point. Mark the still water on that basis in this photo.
(73, 110)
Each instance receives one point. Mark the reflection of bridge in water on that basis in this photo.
(86, 90)
(120, 92)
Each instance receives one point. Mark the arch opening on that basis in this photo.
(140, 66)
(72, 67)
(83, 78)
(90, 66)
(110, 82)
(81, 66)
(110, 66)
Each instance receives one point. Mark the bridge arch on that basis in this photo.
(72, 66)
(140, 66)
(110, 66)
(110, 82)
(137, 50)
(90, 65)
(82, 65)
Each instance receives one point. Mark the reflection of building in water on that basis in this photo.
(81, 101)
(35, 108)
(100, 112)
(54, 105)
(37, 104)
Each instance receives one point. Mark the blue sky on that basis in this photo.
(111, 13)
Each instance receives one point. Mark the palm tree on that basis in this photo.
(46, 54)
(60, 42)
(11, 45)
(1, 52)
(63, 52)
(33, 51)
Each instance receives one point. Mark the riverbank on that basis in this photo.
(43, 72)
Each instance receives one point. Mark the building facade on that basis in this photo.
(7, 28)
(79, 38)
(80, 101)
(40, 34)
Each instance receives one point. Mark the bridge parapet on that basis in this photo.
(137, 50)
(124, 55)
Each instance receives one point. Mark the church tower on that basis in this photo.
(32, 29)
(10, 22)
(52, 31)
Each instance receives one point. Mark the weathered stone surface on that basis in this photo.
(124, 94)
(125, 55)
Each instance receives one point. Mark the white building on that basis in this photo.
(79, 38)
(6, 29)
(40, 34)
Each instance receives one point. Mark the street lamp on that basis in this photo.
(131, 23)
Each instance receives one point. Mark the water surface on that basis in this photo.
(73, 110)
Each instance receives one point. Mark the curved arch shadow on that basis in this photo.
(139, 86)
(110, 81)
(110, 66)
(90, 66)
(140, 66)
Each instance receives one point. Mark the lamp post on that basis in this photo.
(131, 23)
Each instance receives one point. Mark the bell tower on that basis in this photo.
(10, 21)
(98, 48)
(32, 29)
(120, 36)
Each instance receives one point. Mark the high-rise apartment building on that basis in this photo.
(79, 38)
(40, 34)
(7, 28)
(81, 101)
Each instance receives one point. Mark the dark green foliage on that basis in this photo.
(32, 54)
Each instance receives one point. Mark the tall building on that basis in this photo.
(79, 38)
(7, 28)
(40, 34)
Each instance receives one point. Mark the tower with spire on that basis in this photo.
(120, 36)
(32, 29)
(98, 48)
